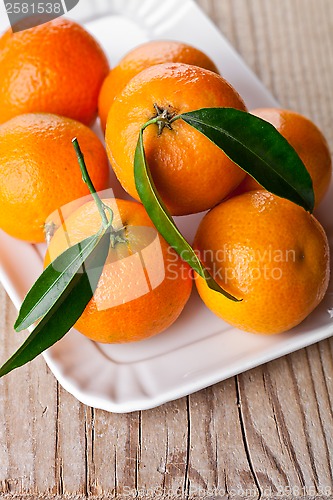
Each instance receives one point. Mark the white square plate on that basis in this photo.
(199, 349)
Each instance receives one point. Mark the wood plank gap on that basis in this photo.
(59, 469)
(86, 467)
(138, 451)
(245, 443)
(165, 471)
(92, 435)
(115, 469)
(216, 473)
(188, 450)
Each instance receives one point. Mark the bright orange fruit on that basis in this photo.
(144, 285)
(39, 171)
(268, 252)
(57, 67)
(190, 172)
(142, 57)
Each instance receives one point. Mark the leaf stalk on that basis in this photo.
(86, 178)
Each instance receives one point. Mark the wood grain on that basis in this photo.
(267, 433)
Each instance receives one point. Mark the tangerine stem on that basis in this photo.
(177, 117)
(150, 122)
(160, 120)
(86, 178)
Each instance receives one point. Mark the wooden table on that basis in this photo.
(265, 433)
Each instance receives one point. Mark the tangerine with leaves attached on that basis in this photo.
(191, 173)
(144, 285)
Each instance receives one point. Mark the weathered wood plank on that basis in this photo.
(71, 451)
(28, 418)
(116, 452)
(218, 459)
(288, 428)
(164, 460)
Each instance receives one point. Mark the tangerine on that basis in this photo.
(57, 67)
(144, 284)
(39, 171)
(268, 252)
(142, 57)
(190, 172)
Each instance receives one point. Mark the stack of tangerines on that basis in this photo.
(267, 251)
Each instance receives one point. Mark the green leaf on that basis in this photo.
(162, 219)
(259, 149)
(66, 310)
(51, 284)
